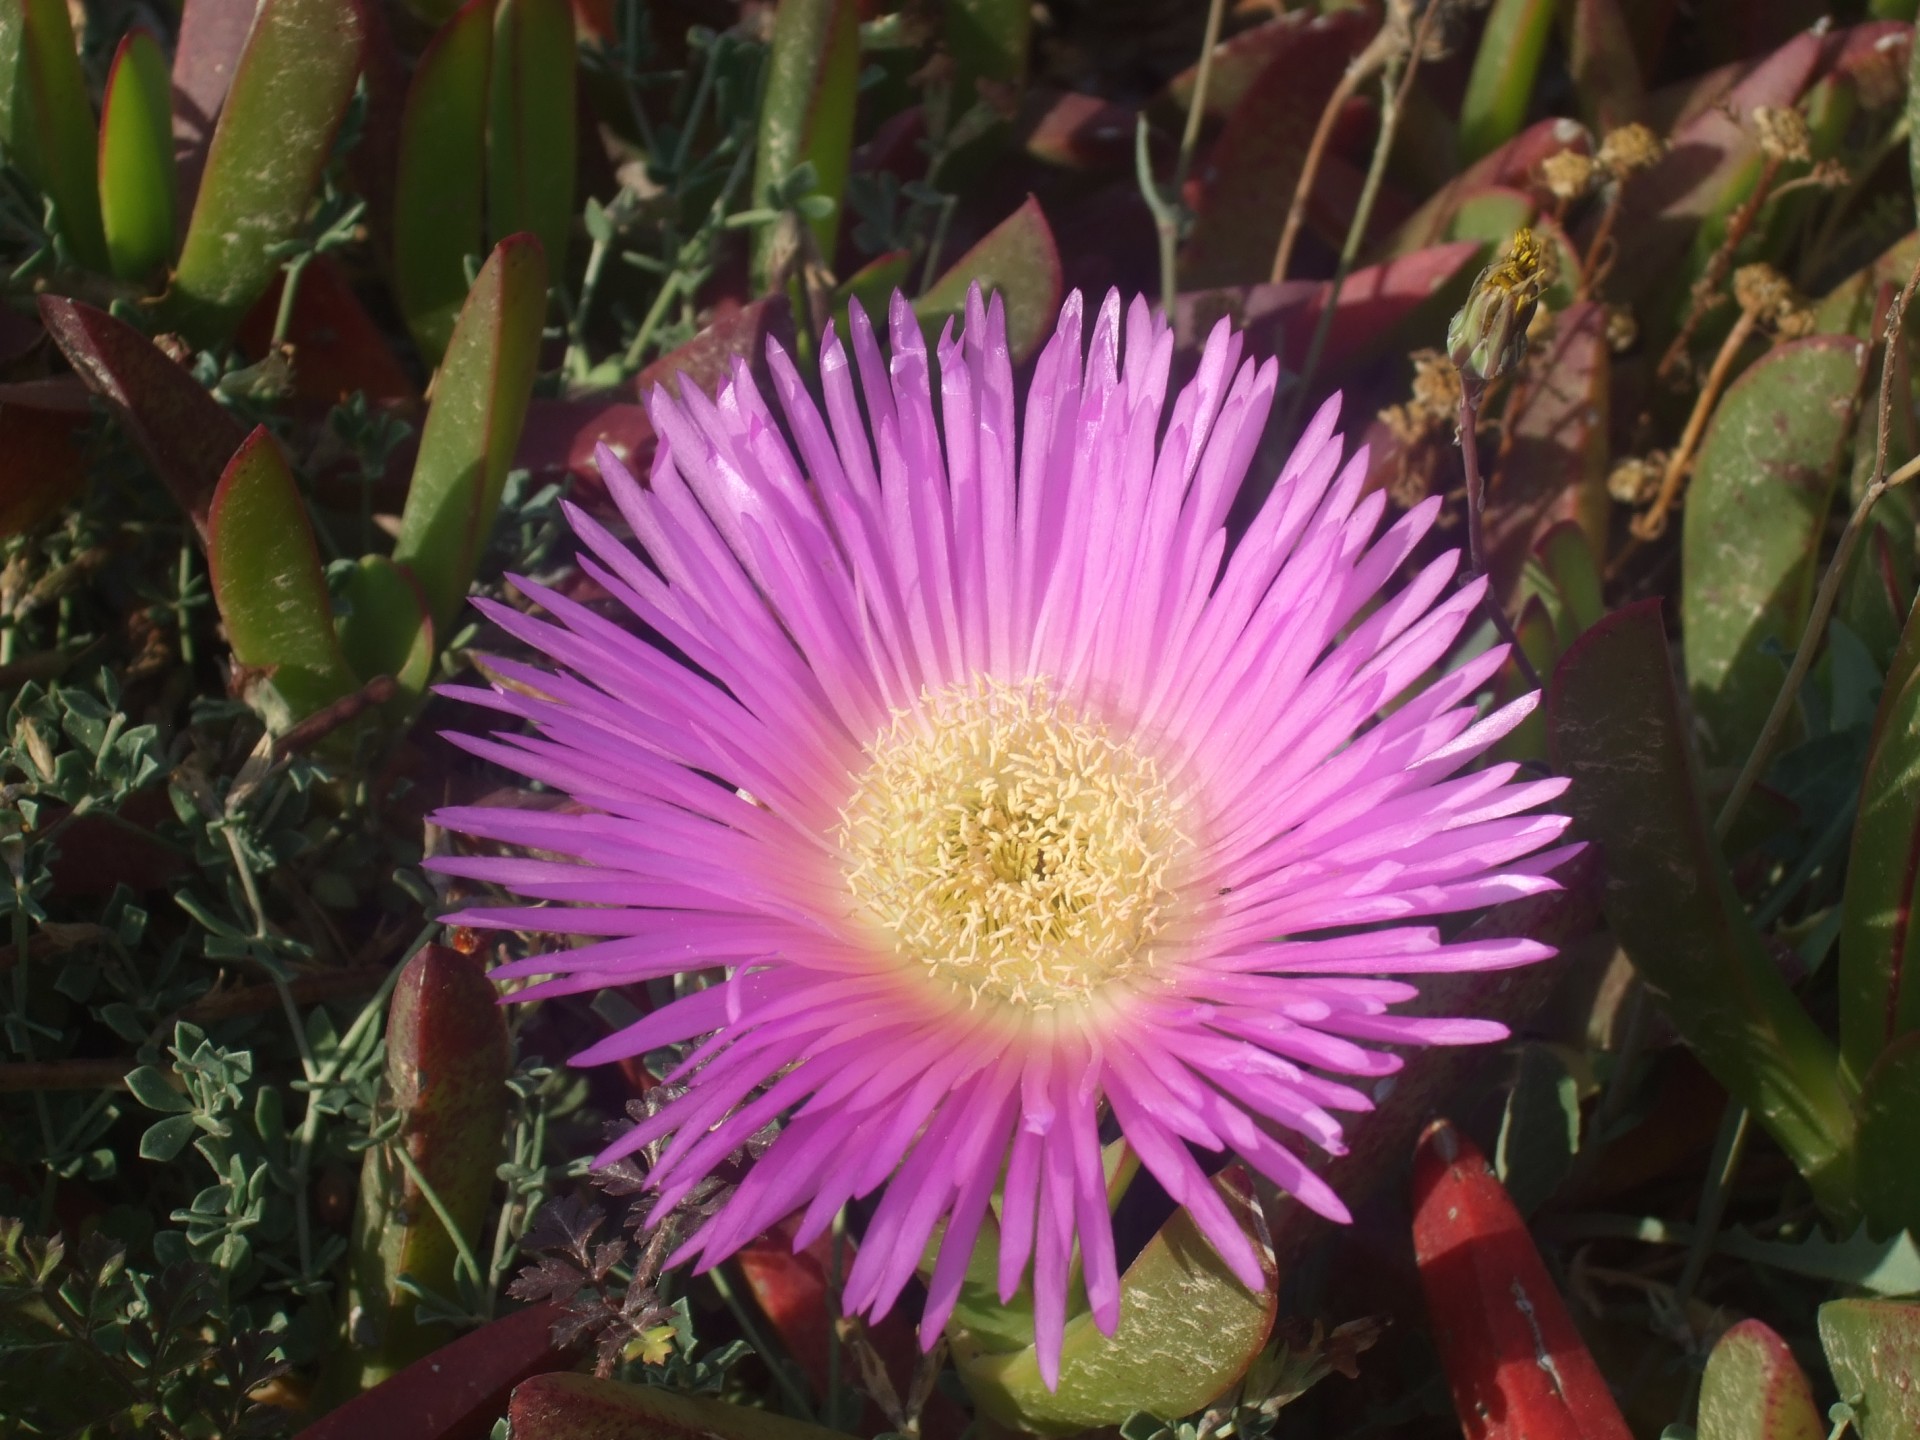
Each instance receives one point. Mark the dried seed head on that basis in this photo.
(1782, 133)
(1436, 386)
(1568, 175)
(1629, 149)
(1636, 479)
(1487, 338)
(1767, 295)
(1622, 329)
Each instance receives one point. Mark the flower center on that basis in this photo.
(1012, 846)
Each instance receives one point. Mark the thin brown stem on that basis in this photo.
(1653, 523)
(1476, 547)
(1363, 67)
(1707, 288)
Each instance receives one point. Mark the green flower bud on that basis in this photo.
(1487, 338)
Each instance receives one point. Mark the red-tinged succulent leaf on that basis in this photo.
(457, 1392)
(186, 435)
(1188, 1331)
(137, 183)
(46, 122)
(1250, 175)
(739, 333)
(579, 1407)
(290, 92)
(42, 465)
(1606, 70)
(1755, 1390)
(1873, 1349)
(1280, 319)
(1238, 63)
(806, 112)
(560, 437)
(447, 1065)
(473, 427)
(212, 35)
(1553, 466)
(1512, 42)
(1514, 166)
(338, 350)
(267, 583)
(439, 209)
(1017, 258)
(1076, 132)
(532, 128)
(1763, 481)
(1436, 1076)
(1879, 943)
(1613, 714)
(1516, 1365)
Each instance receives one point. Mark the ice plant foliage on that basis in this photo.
(997, 794)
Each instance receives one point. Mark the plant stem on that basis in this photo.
(1362, 68)
(1708, 285)
(1167, 212)
(1476, 553)
(1650, 525)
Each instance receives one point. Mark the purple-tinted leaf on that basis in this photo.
(579, 1407)
(1251, 173)
(186, 435)
(806, 112)
(707, 359)
(266, 578)
(1188, 1331)
(532, 138)
(447, 1065)
(1757, 505)
(337, 348)
(46, 122)
(1613, 713)
(1606, 71)
(1755, 1390)
(1076, 132)
(1514, 166)
(560, 437)
(1238, 63)
(212, 35)
(42, 463)
(1018, 259)
(137, 185)
(1873, 1349)
(439, 207)
(275, 132)
(479, 403)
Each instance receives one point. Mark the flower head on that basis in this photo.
(1004, 794)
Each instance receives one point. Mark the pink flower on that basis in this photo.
(1006, 794)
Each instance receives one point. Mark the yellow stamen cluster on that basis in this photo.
(1011, 846)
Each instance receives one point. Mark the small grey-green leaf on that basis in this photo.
(164, 1142)
(150, 1087)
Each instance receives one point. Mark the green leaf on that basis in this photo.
(988, 41)
(1017, 258)
(1540, 1132)
(531, 140)
(579, 1407)
(479, 404)
(136, 159)
(439, 199)
(289, 95)
(46, 123)
(163, 1141)
(267, 581)
(806, 114)
(1188, 1331)
(1614, 717)
(1879, 946)
(1504, 68)
(150, 1086)
(385, 629)
(1890, 1138)
(1755, 1390)
(1873, 1349)
(1884, 1267)
(1756, 510)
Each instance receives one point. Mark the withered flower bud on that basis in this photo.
(1568, 175)
(1487, 338)
(1636, 479)
(1622, 329)
(1628, 149)
(1782, 132)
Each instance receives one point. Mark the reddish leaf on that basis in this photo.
(1554, 464)
(1251, 173)
(707, 359)
(1515, 166)
(1239, 62)
(1078, 132)
(186, 435)
(41, 464)
(1606, 71)
(337, 348)
(1516, 1364)
(458, 1391)
(560, 437)
(1017, 258)
(1280, 319)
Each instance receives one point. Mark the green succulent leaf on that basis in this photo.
(46, 123)
(386, 629)
(806, 114)
(467, 445)
(1873, 1349)
(275, 133)
(531, 140)
(1017, 258)
(1504, 70)
(137, 180)
(439, 211)
(1756, 511)
(1755, 1390)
